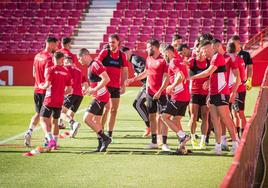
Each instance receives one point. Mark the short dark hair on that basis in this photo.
(215, 41)
(169, 47)
(235, 38)
(51, 39)
(124, 49)
(82, 52)
(176, 37)
(231, 47)
(58, 55)
(66, 40)
(180, 47)
(69, 58)
(205, 43)
(114, 36)
(154, 42)
(106, 46)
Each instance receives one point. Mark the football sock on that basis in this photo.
(154, 139)
(164, 139)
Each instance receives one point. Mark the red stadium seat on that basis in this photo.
(174, 14)
(208, 14)
(232, 22)
(34, 6)
(183, 22)
(134, 30)
(123, 29)
(18, 13)
(44, 29)
(129, 13)
(254, 30)
(137, 21)
(228, 6)
(33, 29)
(126, 21)
(2, 6)
(146, 30)
(206, 29)
(256, 13)
(22, 6)
(255, 22)
(121, 6)
(140, 14)
(60, 21)
(72, 21)
(158, 30)
(68, 6)
(203, 6)
(133, 5)
(186, 14)
(218, 30)
(111, 29)
(180, 6)
(56, 5)
(231, 30)
(5, 37)
(156, 6)
(163, 14)
(22, 29)
(264, 5)
(40, 13)
(145, 5)
(141, 45)
(56, 29)
(53, 14)
(80, 6)
(130, 45)
(172, 22)
(244, 22)
(132, 38)
(168, 38)
(207, 22)
(244, 14)
(45, 5)
(254, 5)
(118, 13)
(13, 21)
(160, 22)
(151, 14)
(170, 30)
(11, 5)
(148, 22)
(157, 37)
(195, 22)
(168, 6)
(115, 21)
(196, 14)
(218, 22)
(144, 37)
(219, 14)
(230, 14)
(192, 6)
(241, 5)
(36, 21)
(17, 37)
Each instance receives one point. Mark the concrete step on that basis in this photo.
(84, 46)
(91, 30)
(98, 34)
(88, 41)
(101, 19)
(98, 10)
(104, 14)
(91, 37)
(95, 26)
(97, 22)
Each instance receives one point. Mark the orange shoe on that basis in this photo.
(147, 132)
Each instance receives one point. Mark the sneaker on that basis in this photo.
(202, 145)
(52, 144)
(62, 126)
(105, 144)
(165, 147)
(234, 148)
(99, 145)
(147, 132)
(225, 147)
(217, 150)
(183, 142)
(45, 142)
(152, 146)
(194, 144)
(75, 126)
(27, 140)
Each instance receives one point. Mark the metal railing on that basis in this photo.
(257, 39)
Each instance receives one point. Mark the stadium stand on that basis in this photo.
(188, 18)
(25, 25)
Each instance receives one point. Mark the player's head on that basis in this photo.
(169, 52)
(68, 60)
(114, 42)
(58, 58)
(84, 57)
(66, 42)
(206, 49)
(236, 40)
(152, 47)
(184, 50)
(217, 46)
(205, 37)
(52, 44)
(231, 48)
(127, 51)
(176, 40)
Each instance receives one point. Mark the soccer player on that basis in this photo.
(198, 98)
(73, 101)
(157, 80)
(58, 83)
(138, 64)
(42, 62)
(184, 51)
(66, 46)
(247, 61)
(239, 102)
(115, 62)
(176, 42)
(219, 95)
(180, 96)
(98, 78)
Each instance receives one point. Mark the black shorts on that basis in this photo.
(240, 100)
(114, 92)
(201, 100)
(156, 105)
(176, 108)
(73, 102)
(46, 111)
(219, 99)
(96, 107)
(38, 101)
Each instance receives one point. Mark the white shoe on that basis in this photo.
(27, 140)
(159, 140)
(75, 127)
(152, 146)
(234, 147)
(217, 150)
(165, 147)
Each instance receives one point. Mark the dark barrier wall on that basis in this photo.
(242, 170)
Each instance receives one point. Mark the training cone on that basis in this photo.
(61, 136)
(28, 154)
(40, 149)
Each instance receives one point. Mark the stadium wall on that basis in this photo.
(242, 170)
(16, 69)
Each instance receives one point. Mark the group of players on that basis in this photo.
(209, 81)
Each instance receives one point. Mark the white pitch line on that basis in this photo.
(20, 135)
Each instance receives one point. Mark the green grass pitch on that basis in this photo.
(126, 164)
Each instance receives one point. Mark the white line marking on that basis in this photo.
(20, 135)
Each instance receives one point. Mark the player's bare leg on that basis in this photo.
(192, 123)
(215, 118)
(34, 122)
(113, 112)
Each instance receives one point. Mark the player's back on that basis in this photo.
(77, 79)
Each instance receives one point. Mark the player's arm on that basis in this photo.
(104, 81)
(45, 85)
(68, 90)
(124, 77)
(211, 69)
(34, 72)
(136, 78)
(179, 77)
(163, 86)
(236, 84)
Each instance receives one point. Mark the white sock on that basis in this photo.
(218, 145)
(203, 138)
(31, 128)
(49, 136)
(223, 140)
(234, 144)
(181, 134)
(192, 136)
